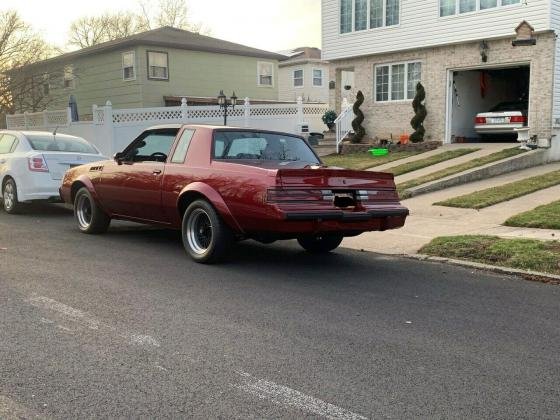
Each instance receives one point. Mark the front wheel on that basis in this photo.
(10, 197)
(91, 219)
(320, 244)
(206, 237)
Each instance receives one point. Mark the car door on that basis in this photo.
(131, 186)
(8, 144)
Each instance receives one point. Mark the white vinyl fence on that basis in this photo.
(113, 129)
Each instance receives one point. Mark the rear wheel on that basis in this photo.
(91, 219)
(10, 197)
(206, 237)
(320, 244)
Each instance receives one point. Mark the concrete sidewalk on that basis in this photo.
(427, 221)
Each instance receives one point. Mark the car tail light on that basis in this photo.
(37, 163)
(480, 120)
(517, 119)
(376, 195)
(298, 196)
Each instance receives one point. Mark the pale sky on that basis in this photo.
(272, 25)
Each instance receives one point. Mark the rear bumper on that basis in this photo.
(497, 128)
(346, 217)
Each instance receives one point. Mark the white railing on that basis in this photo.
(343, 123)
(113, 129)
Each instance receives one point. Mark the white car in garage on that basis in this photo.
(504, 118)
(33, 163)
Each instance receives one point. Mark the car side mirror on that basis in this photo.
(119, 157)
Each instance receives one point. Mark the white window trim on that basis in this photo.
(72, 80)
(477, 10)
(259, 75)
(390, 86)
(302, 78)
(368, 29)
(148, 64)
(313, 77)
(133, 66)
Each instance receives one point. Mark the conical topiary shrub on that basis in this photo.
(420, 115)
(359, 131)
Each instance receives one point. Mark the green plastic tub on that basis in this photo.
(379, 152)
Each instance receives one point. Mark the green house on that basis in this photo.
(150, 69)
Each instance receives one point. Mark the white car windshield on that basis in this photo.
(59, 143)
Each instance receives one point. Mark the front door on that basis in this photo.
(132, 188)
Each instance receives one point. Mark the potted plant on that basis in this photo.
(329, 118)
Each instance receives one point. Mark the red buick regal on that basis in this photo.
(218, 185)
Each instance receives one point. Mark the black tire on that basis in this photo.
(320, 244)
(206, 237)
(90, 218)
(10, 197)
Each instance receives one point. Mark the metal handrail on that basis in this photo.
(343, 123)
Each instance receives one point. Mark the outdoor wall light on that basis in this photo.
(222, 102)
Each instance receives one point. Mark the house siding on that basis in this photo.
(420, 27)
(386, 119)
(193, 73)
(99, 78)
(309, 93)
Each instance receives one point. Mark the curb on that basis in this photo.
(528, 275)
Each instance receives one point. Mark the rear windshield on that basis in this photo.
(59, 143)
(510, 106)
(252, 145)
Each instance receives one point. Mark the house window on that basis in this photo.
(298, 78)
(158, 65)
(318, 77)
(128, 66)
(488, 4)
(453, 7)
(265, 74)
(397, 82)
(345, 16)
(359, 15)
(68, 77)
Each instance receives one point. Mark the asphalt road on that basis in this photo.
(125, 325)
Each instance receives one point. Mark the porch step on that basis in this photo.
(325, 149)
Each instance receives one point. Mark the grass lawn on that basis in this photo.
(525, 254)
(452, 170)
(364, 160)
(543, 217)
(429, 161)
(491, 196)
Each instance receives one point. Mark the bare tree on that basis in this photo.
(20, 46)
(93, 30)
(168, 13)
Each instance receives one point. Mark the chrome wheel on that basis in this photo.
(199, 231)
(84, 211)
(9, 196)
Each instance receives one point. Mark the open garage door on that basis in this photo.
(488, 104)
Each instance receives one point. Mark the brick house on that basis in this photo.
(469, 55)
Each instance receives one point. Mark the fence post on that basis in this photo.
(95, 117)
(247, 113)
(299, 111)
(45, 119)
(68, 116)
(184, 111)
(25, 123)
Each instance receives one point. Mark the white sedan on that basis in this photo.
(33, 163)
(504, 118)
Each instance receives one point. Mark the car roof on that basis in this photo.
(35, 133)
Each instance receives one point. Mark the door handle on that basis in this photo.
(156, 171)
